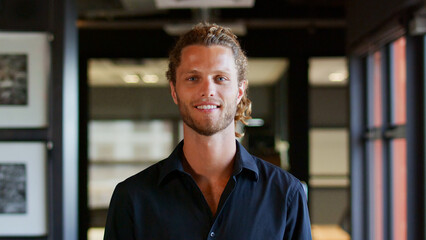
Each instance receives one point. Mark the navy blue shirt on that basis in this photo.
(260, 201)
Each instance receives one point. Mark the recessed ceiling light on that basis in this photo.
(131, 78)
(168, 4)
(150, 78)
(337, 77)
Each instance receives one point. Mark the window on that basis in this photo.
(398, 142)
(375, 144)
(386, 154)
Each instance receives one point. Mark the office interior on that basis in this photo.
(338, 100)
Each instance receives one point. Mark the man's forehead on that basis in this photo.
(195, 58)
(191, 46)
(197, 52)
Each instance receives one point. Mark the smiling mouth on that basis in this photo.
(207, 107)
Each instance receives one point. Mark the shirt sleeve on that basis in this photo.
(120, 224)
(298, 223)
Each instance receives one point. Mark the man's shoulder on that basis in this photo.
(266, 171)
(269, 172)
(145, 178)
(151, 177)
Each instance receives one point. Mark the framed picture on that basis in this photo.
(24, 71)
(23, 206)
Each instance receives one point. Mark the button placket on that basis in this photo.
(218, 220)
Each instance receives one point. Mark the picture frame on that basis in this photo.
(24, 73)
(23, 195)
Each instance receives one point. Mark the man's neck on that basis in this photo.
(210, 161)
(210, 156)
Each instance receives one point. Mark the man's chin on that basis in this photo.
(205, 131)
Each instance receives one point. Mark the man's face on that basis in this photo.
(207, 90)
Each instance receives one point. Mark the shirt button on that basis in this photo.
(212, 234)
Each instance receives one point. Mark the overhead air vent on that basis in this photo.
(164, 4)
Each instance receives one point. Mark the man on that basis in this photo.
(210, 187)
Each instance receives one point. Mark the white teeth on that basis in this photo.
(206, 106)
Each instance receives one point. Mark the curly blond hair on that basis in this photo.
(212, 34)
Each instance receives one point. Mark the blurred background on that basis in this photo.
(132, 121)
(337, 89)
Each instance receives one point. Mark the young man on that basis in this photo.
(210, 187)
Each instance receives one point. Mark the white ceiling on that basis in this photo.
(262, 71)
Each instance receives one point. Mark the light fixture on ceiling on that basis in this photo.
(178, 29)
(167, 4)
(150, 78)
(337, 77)
(131, 78)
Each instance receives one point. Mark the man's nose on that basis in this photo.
(207, 88)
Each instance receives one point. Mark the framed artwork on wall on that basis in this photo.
(23, 206)
(24, 73)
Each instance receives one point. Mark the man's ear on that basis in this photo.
(173, 92)
(241, 90)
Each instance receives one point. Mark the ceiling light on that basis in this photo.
(204, 4)
(150, 78)
(131, 78)
(337, 77)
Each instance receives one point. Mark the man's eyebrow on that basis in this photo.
(193, 71)
(223, 71)
(219, 71)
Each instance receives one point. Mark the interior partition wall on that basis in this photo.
(387, 140)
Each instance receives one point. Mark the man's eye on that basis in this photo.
(192, 78)
(221, 79)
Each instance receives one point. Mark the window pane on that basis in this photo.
(375, 147)
(378, 189)
(377, 90)
(374, 97)
(399, 189)
(398, 81)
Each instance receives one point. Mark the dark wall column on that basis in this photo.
(64, 125)
(359, 221)
(55, 132)
(84, 103)
(70, 121)
(415, 138)
(298, 94)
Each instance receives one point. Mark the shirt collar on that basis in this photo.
(243, 161)
(172, 164)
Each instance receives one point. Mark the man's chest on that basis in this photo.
(243, 213)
